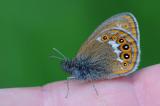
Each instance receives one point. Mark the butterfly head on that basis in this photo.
(77, 68)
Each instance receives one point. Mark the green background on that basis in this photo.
(29, 29)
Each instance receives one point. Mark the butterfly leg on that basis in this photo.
(93, 85)
(68, 79)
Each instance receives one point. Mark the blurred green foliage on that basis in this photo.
(29, 29)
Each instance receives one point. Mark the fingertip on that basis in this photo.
(146, 85)
(151, 72)
(148, 73)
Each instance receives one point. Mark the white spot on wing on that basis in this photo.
(119, 25)
(115, 46)
(99, 39)
(119, 59)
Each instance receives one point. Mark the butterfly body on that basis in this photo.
(85, 69)
(113, 50)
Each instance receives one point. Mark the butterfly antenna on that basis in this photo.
(56, 50)
(57, 57)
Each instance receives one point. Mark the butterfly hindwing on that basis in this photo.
(103, 45)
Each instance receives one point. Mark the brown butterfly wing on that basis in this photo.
(103, 52)
(126, 20)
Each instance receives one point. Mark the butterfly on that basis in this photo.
(111, 51)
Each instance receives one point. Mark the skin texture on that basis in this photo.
(141, 89)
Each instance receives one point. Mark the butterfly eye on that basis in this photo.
(105, 38)
(125, 47)
(121, 40)
(125, 56)
(125, 64)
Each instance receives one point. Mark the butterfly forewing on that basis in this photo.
(127, 21)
